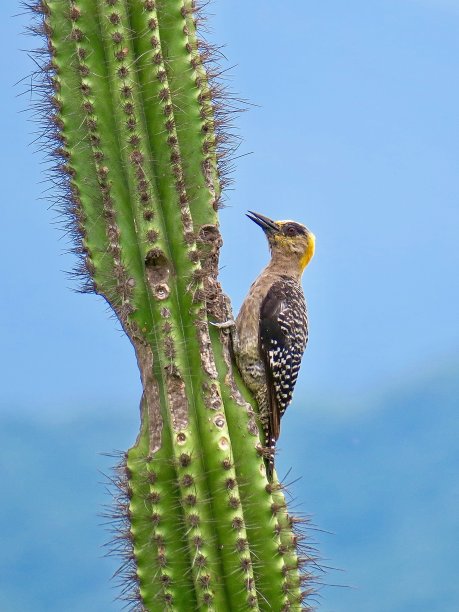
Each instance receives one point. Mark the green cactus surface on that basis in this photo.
(140, 130)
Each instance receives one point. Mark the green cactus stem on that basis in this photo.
(140, 140)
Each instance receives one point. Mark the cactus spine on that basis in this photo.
(140, 142)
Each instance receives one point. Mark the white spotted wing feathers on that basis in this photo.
(283, 338)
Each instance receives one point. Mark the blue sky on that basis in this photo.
(355, 132)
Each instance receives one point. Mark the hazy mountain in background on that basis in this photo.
(381, 474)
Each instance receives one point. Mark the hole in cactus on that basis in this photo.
(157, 266)
(209, 234)
(158, 271)
(178, 402)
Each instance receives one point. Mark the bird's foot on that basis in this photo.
(224, 324)
(267, 452)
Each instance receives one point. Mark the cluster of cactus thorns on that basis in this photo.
(137, 128)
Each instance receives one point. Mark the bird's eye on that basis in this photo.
(290, 231)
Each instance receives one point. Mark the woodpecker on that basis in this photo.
(271, 329)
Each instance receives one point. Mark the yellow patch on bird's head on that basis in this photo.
(309, 252)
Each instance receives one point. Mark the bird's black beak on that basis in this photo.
(266, 224)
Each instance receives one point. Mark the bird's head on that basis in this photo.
(287, 238)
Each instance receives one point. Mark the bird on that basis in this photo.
(271, 330)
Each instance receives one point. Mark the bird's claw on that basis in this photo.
(224, 324)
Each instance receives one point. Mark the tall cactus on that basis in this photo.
(141, 141)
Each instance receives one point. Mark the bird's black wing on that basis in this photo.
(283, 338)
